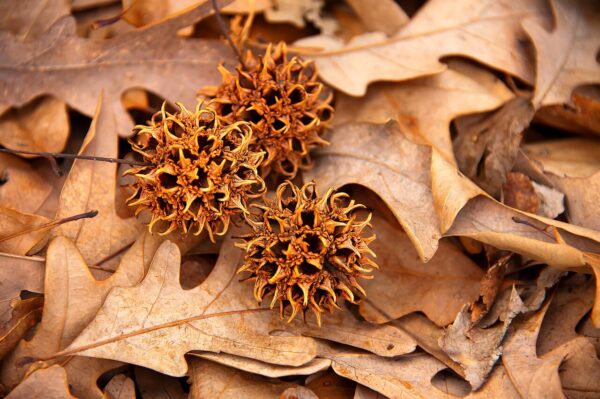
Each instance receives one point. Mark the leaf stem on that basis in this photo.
(225, 32)
(75, 156)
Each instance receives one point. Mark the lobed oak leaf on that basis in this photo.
(76, 70)
(72, 297)
(488, 31)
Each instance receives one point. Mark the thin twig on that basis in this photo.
(225, 32)
(75, 156)
(51, 224)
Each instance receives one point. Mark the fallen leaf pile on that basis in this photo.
(464, 134)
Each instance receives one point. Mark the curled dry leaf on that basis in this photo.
(438, 289)
(487, 31)
(262, 368)
(209, 380)
(566, 56)
(50, 383)
(425, 107)
(60, 61)
(92, 185)
(66, 313)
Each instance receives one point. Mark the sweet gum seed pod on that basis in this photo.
(202, 171)
(286, 105)
(307, 252)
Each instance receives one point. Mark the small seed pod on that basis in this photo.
(306, 251)
(202, 172)
(286, 105)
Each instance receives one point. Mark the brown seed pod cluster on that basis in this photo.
(286, 105)
(307, 252)
(201, 172)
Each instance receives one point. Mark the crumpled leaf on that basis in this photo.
(18, 273)
(92, 185)
(425, 107)
(297, 11)
(50, 383)
(210, 380)
(60, 61)
(438, 289)
(487, 31)
(66, 313)
(566, 56)
(13, 222)
(398, 173)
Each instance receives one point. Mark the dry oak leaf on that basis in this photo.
(153, 58)
(212, 380)
(580, 371)
(18, 273)
(439, 289)
(566, 56)
(297, 12)
(120, 387)
(41, 125)
(50, 383)
(384, 15)
(220, 315)
(33, 19)
(533, 377)
(497, 385)
(23, 187)
(92, 185)
(72, 297)
(262, 368)
(399, 377)
(425, 107)
(331, 386)
(13, 222)
(488, 31)
(399, 173)
(25, 314)
(573, 167)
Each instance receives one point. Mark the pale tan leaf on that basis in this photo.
(580, 370)
(425, 107)
(13, 222)
(41, 125)
(399, 173)
(72, 297)
(488, 31)
(167, 321)
(92, 186)
(567, 56)
(25, 314)
(297, 12)
(159, 61)
(439, 289)
(262, 368)
(18, 273)
(120, 387)
(532, 377)
(404, 376)
(210, 380)
(384, 15)
(25, 188)
(50, 383)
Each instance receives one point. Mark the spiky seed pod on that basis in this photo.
(306, 251)
(202, 172)
(286, 105)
